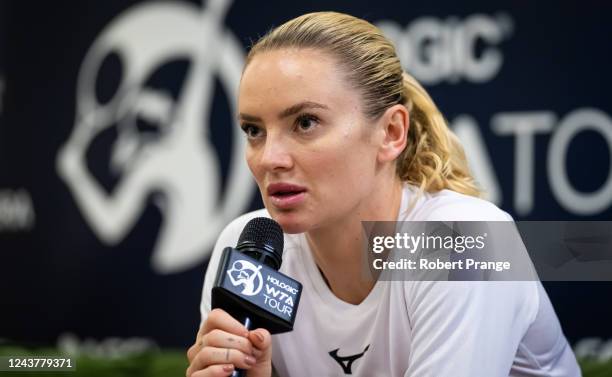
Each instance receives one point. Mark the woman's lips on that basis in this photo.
(286, 195)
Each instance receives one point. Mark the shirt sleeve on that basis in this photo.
(211, 272)
(465, 328)
(228, 237)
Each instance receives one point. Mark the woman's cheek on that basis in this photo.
(251, 158)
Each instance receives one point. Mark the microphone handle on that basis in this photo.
(241, 372)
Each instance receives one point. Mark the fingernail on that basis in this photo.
(250, 360)
(259, 337)
(228, 368)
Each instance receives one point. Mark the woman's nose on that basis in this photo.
(276, 154)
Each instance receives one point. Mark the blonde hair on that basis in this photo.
(433, 158)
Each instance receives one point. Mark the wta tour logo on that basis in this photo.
(248, 275)
(178, 164)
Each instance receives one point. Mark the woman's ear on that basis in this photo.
(394, 124)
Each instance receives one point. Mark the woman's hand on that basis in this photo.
(224, 344)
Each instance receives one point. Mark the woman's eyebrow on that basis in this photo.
(248, 118)
(285, 113)
(299, 107)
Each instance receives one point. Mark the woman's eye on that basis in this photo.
(251, 131)
(306, 122)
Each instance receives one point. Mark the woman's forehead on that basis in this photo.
(291, 58)
(293, 75)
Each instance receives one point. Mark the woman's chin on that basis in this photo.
(290, 223)
(293, 229)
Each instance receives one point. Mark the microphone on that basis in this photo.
(248, 285)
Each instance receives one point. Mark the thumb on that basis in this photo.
(262, 340)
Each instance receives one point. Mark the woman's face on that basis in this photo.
(309, 146)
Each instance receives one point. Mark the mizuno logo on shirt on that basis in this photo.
(346, 362)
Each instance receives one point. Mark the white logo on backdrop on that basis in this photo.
(181, 163)
(436, 50)
(16, 207)
(248, 275)
(16, 210)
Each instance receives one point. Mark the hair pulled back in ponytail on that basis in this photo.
(433, 159)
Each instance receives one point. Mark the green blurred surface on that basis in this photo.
(166, 363)
(173, 363)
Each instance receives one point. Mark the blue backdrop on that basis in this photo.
(120, 160)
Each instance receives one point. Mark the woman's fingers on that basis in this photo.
(193, 350)
(223, 339)
(219, 319)
(262, 341)
(220, 339)
(221, 370)
(209, 356)
(222, 342)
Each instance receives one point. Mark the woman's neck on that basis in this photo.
(339, 248)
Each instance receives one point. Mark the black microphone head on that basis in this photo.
(262, 239)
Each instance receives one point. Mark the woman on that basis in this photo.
(338, 134)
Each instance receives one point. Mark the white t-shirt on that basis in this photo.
(414, 328)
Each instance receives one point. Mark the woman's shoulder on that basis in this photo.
(448, 205)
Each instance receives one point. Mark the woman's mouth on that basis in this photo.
(286, 195)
